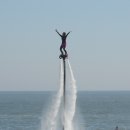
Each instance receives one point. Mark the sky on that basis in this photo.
(98, 46)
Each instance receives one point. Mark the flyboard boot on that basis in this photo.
(63, 56)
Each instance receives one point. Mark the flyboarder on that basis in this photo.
(63, 44)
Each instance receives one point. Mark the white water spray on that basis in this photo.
(51, 116)
(51, 122)
(71, 101)
(73, 95)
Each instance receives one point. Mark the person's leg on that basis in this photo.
(61, 50)
(65, 51)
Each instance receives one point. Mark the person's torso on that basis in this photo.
(63, 39)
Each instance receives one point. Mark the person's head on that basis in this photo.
(64, 33)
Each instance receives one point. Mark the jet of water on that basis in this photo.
(51, 116)
(67, 114)
(71, 101)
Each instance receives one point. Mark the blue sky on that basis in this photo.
(98, 47)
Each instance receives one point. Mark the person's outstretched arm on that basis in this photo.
(67, 34)
(58, 32)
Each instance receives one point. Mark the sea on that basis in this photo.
(95, 110)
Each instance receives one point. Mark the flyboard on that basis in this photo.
(64, 84)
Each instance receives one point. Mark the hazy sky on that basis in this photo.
(98, 47)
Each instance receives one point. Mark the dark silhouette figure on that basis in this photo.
(63, 44)
(116, 128)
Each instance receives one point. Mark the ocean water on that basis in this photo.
(94, 110)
